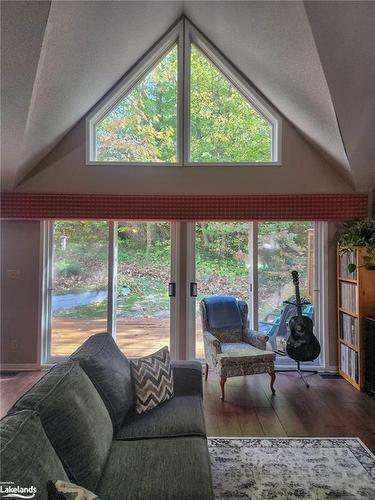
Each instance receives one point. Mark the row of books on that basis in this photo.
(348, 297)
(349, 362)
(349, 329)
(344, 261)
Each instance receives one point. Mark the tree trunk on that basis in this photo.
(150, 234)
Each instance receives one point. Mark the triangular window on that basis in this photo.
(142, 127)
(224, 126)
(184, 104)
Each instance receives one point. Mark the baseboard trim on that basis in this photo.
(19, 367)
(333, 369)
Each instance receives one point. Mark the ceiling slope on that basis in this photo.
(23, 26)
(272, 43)
(344, 33)
(86, 48)
(68, 56)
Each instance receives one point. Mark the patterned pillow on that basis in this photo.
(153, 380)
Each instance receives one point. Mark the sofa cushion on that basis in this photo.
(157, 469)
(181, 416)
(153, 380)
(75, 420)
(187, 377)
(27, 457)
(109, 371)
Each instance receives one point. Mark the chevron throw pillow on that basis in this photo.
(153, 380)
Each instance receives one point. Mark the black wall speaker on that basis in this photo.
(369, 368)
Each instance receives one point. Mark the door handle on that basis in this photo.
(193, 289)
(172, 289)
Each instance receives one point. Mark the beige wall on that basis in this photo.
(20, 261)
(303, 170)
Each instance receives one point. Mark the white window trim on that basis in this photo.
(183, 34)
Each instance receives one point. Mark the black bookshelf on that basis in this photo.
(369, 368)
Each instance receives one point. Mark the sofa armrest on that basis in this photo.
(187, 377)
(257, 339)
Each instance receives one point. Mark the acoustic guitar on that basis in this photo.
(302, 345)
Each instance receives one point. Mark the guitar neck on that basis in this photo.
(298, 302)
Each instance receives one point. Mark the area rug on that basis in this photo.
(292, 468)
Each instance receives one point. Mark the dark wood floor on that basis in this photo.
(331, 407)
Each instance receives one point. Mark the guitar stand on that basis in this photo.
(299, 371)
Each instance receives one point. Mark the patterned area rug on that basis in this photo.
(288, 469)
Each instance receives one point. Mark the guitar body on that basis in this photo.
(302, 345)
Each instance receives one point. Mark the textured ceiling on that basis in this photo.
(314, 61)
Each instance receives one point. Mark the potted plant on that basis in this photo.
(359, 234)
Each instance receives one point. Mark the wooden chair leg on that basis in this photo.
(273, 377)
(222, 383)
(206, 372)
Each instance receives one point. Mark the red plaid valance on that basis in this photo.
(184, 207)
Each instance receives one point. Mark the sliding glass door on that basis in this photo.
(221, 265)
(143, 275)
(283, 247)
(78, 280)
(108, 277)
(253, 262)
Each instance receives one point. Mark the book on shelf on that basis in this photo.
(349, 329)
(344, 260)
(348, 296)
(349, 362)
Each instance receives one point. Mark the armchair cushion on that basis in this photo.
(244, 350)
(241, 358)
(257, 339)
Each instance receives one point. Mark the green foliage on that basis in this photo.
(142, 127)
(222, 263)
(360, 234)
(68, 268)
(224, 127)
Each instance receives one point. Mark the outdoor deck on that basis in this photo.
(135, 337)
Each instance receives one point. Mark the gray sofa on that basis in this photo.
(77, 423)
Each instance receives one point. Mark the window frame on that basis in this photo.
(183, 34)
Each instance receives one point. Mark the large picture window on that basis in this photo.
(184, 104)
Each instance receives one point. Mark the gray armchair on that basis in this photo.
(231, 349)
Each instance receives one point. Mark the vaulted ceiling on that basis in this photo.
(314, 61)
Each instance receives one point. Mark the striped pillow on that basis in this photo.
(153, 380)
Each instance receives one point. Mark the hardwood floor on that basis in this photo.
(330, 408)
(13, 385)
